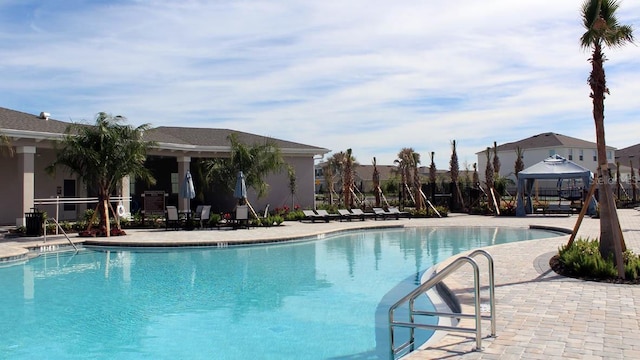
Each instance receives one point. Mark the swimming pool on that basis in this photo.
(322, 299)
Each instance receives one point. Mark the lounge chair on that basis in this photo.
(172, 219)
(395, 210)
(345, 214)
(357, 212)
(326, 215)
(384, 215)
(312, 216)
(349, 215)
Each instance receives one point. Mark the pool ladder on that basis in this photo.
(412, 324)
(58, 227)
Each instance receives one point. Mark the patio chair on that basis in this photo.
(172, 219)
(312, 216)
(203, 216)
(242, 216)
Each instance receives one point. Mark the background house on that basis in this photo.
(539, 147)
(23, 179)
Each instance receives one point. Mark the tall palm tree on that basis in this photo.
(602, 29)
(417, 184)
(348, 176)
(496, 159)
(519, 164)
(333, 169)
(376, 183)
(454, 169)
(475, 176)
(489, 174)
(101, 156)
(403, 167)
(432, 175)
(256, 161)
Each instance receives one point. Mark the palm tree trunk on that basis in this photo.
(611, 240)
(103, 200)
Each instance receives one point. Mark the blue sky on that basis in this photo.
(374, 75)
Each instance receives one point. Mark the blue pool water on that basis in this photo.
(321, 299)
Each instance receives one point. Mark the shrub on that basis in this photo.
(277, 219)
(214, 218)
(583, 259)
(294, 215)
(441, 209)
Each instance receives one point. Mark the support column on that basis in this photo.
(26, 156)
(184, 164)
(125, 192)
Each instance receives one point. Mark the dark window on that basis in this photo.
(69, 190)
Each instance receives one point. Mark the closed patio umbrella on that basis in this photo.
(188, 191)
(240, 191)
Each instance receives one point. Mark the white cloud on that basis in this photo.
(374, 76)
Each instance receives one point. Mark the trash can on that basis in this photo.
(33, 222)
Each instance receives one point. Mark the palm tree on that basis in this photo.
(489, 174)
(255, 161)
(519, 164)
(5, 145)
(348, 178)
(417, 185)
(376, 183)
(496, 159)
(101, 156)
(475, 177)
(403, 167)
(599, 19)
(454, 169)
(332, 169)
(432, 175)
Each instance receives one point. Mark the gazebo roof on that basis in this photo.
(554, 167)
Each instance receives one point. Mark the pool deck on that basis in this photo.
(540, 315)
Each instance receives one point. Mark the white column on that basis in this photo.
(125, 192)
(184, 163)
(26, 156)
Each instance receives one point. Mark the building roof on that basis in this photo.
(16, 120)
(16, 123)
(629, 153)
(217, 137)
(547, 140)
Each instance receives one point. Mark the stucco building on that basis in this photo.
(23, 180)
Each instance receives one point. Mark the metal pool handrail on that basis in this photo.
(433, 281)
(61, 229)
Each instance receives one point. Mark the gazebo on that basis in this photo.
(554, 167)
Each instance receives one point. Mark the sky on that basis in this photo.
(375, 76)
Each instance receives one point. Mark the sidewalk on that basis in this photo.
(541, 315)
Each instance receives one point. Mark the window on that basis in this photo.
(609, 155)
(570, 154)
(174, 183)
(69, 190)
(595, 155)
(581, 155)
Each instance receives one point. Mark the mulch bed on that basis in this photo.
(557, 266)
